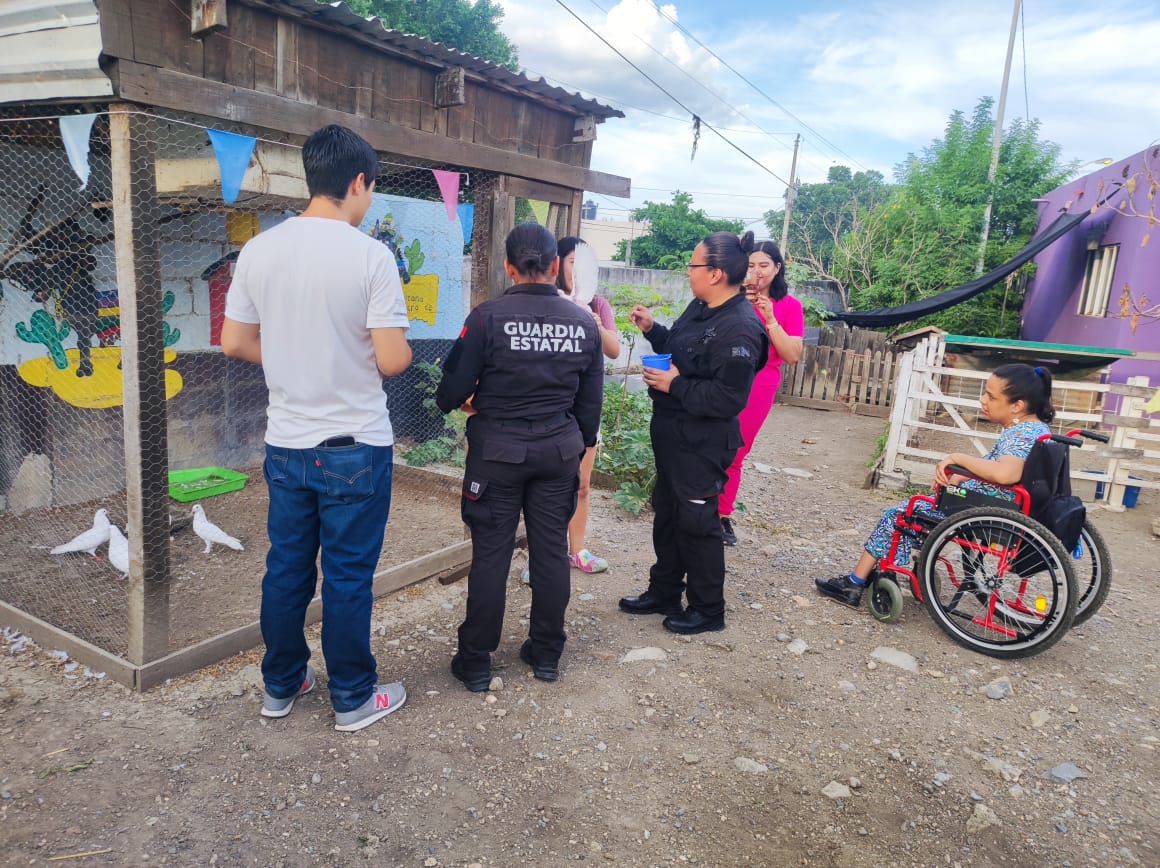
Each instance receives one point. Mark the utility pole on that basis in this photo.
(994, 169)
(790, 194)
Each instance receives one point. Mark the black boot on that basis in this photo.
(728, 534)
(649, 603)
(693, 621)
(543, 670)
(475, 680)
(842, 589)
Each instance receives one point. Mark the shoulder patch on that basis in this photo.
(742, 352)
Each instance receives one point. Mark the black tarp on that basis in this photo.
(889, 316)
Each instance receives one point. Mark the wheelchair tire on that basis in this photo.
(1093, 572)
(884, 599)
(998, 582)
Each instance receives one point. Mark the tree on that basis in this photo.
(673, 231)
(825, 213)
(924, 239)
(471, 27)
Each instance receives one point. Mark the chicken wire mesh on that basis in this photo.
(65, 285)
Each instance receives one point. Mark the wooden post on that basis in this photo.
(503, 221)
(1122, 438)
(138, 256)
(898, 411)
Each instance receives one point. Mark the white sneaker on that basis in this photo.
(385, 699)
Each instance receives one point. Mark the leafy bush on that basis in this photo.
(626, 454)
(449, 448)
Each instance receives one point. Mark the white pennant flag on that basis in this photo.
(75, 130)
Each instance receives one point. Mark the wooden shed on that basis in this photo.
(154, 233)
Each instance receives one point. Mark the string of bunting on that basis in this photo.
(234, 153)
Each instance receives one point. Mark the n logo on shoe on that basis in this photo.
(382, 701)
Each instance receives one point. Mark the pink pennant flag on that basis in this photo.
(449, 188)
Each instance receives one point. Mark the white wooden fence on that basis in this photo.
(936, 403)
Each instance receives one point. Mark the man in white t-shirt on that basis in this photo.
(319, 306)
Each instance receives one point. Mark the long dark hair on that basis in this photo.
(564, 246)
(726, 251)
(778, 289)
(531, 249)
(1031, 385)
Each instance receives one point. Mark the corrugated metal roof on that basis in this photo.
(49, 50)
(340, 14)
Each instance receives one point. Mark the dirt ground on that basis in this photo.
(780, 741)
(211, 593)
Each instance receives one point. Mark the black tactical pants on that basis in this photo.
(543, 486)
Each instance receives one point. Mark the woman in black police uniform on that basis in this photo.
(718, 344)
(531, 364)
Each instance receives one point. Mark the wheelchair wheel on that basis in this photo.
(998, 582)
(884, 599)
(1093, 572)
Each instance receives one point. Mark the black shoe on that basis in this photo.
(476, 681)
(649, 603)
(843, 590)
(728, 534)
(542, 671)
(693, 621)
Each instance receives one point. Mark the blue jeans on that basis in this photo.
(336, 498)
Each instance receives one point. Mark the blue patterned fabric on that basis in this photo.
(1016, 440)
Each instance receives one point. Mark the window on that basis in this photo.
(1097, 280)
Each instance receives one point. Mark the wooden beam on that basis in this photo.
(540, 191)
(52, 637)
(449, 559)
(189, 93)
(206, 17)
(137, 249)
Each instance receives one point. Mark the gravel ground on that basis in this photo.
(796, 736)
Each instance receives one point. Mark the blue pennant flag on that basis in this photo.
(233, 155)
(466, 220)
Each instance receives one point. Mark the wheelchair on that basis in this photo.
(994, 573)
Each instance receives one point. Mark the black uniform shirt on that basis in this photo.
(529, 355)
(718, 351)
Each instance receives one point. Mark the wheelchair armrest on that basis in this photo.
(959, 470)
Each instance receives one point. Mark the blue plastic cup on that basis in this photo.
(658, 361)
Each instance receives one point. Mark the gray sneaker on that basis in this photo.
(385, 699)
(272, 707)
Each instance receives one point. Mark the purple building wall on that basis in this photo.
(1053, 295)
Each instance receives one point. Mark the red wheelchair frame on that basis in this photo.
(1019, 617)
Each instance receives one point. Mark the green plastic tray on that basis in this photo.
(189, 485)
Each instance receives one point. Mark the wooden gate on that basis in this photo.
(851, 370)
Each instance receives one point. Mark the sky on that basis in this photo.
(864, 83)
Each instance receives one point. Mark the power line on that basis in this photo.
(697, 120)
(778, 105)
(697, 81)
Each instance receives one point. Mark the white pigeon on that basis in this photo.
(90, 540)
(118, 551)
(210, 532)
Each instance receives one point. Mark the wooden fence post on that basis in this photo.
(137, 250)
(898, 410)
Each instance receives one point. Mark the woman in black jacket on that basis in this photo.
(717, 346)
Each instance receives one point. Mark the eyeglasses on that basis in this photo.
(700, 265)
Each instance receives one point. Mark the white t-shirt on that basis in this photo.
(316, 286)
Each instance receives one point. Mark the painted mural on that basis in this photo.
(429, 249)
(59, 308)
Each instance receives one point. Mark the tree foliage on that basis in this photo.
(823, 214)
(674, 229)
(925, 238)
(471, 27)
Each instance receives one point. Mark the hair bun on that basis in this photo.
(746, 242)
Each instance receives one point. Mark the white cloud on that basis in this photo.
(875, 81)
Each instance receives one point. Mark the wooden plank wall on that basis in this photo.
(851, 370)
(320, 65)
